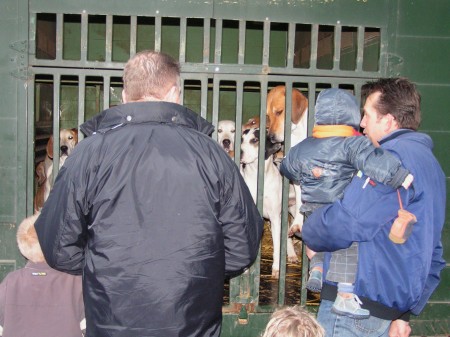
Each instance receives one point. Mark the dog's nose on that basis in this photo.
(226, 143)
(64, 149)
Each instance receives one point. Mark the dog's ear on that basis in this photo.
(40, 173)
(75, 134)
(50, 147)
(299, 105)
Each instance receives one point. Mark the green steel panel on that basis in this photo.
(174, 8)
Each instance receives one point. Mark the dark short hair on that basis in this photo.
(399, 97)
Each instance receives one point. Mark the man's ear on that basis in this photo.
(391, 123)
(124, 96)
(173, 95)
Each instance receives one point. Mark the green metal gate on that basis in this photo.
(67, 57)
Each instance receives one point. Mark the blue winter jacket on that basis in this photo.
(392, 279)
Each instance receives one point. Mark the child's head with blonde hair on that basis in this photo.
(293, 322)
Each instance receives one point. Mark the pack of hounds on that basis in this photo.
(226, 132)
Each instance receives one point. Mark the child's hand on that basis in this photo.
(296, 228)
(408, 181)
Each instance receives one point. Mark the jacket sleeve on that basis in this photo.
(364, 210)
(375, 162)
(242, 226)
(291, 167)
(433, 279)
(60, 226)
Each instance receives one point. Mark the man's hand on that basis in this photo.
(399, 328)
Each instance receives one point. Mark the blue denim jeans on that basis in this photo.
(343, 326)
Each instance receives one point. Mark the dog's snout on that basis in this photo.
(226, 143)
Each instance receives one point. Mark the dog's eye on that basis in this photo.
(219, 131)
(278, 112)
(70, 137)
(254, 140)
(233, 131)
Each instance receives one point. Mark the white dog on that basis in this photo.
(226, 131)
(273, 183)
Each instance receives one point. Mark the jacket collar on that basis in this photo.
(142, 112)
(394, 134)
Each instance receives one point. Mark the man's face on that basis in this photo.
(375, 126)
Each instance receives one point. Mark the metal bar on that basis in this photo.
(81, 102)
(204, 97)
(216, 97)
(337, 47)
(133, 35)
(84, 36)
(206, 39)
(59, 36)
(266, 43)
(56, 123)
(218, 45)
(241, 52)
(183, 24)
(314, 45)
(291, 46)
(360, 46)
(106, 91)
(158, 24)
(109, 37)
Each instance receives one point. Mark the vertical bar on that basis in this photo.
(81, 102)
(204, 96)
(56, 123)
(59, 36)
(133, 35)
(215, 112)
(291, 46)
(109, 33)
(106, 88)
(241, 52)
(158, 23)
(360, 46)
(337, 46)
(84, 35)
(218, 46)
(30, 116)
(237, 134)
(314, 44)
(284, 215)
(266, 43)
(206, 39)
(183, 24)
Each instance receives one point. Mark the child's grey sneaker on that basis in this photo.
(350, 307)
(314, 283)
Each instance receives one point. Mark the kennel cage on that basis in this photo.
(68, 57)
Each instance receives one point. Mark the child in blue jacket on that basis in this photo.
(323, 165)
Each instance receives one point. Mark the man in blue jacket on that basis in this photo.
(393, 280)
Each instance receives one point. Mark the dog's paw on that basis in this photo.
(275, 274)
(293, 259)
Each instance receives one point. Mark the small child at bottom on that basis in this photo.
(38, 301)
(323, 165)
(293, 321)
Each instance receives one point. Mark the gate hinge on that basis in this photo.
(23, 73)
(19, 46)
